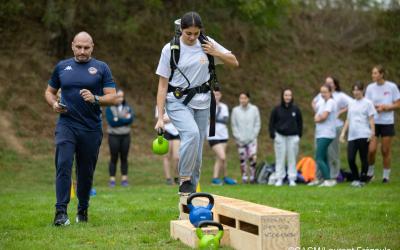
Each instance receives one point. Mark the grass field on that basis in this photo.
(138, 217)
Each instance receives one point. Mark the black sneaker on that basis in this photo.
(61, 218)
(385, 180)
(82, 216)
(369, 178)
(186, 188)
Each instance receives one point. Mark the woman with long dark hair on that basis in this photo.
(185, 91)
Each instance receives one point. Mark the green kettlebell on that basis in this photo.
(207, 241)
(160, 144)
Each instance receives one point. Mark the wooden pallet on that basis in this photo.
(184, 231)
(251, 225)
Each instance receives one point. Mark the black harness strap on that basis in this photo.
(204, 88)
(213, 107)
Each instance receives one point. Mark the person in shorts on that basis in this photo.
(218, 142)
(385, 96)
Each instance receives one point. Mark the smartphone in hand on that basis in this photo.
(62, 105)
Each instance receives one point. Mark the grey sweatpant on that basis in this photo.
(192, 125)
(286, 148)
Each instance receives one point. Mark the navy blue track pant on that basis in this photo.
(84, 146)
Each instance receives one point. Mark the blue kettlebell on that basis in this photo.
(200, 213)
(208, 241)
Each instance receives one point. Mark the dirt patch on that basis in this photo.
(8, 134)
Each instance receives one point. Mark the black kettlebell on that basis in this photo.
(200, 213)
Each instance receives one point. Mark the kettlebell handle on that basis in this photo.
(207, 195)
(206, 223)
(160, 131)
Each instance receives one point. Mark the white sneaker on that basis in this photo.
(292, 183)
(314, 183)
(357, 184)
(328, 183)
(278, 183)
(271, 182)
(272, 179)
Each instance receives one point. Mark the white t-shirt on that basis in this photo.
(342, 101)
(327, 128)
(387, 93)
(169, 127)
(221, 130)
(358, 116)
(193, 62)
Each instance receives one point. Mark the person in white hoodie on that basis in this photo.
(246, 124)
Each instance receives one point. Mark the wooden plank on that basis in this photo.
(255, 226)
(243, 241)
(184, 231)
(280, 231)
(239, 212)
(179, 231)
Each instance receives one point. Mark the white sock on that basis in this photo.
(183, 179)
(386, 173)
(371, 169)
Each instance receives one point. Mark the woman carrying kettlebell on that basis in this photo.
(185, 93)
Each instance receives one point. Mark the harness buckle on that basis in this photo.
(178, 93)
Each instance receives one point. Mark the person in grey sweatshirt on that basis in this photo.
(246, 124)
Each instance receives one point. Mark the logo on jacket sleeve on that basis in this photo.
(92, 70)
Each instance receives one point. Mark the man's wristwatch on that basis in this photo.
(96, 100)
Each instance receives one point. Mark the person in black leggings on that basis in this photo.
(119, 119)
(360, 124)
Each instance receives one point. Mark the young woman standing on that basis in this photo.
(385, 96)
(325, 132)
(218, 142)
(246, 125)
(119, 119)
(285, 128)
(342, 101)
(360, 124)
(192, 73)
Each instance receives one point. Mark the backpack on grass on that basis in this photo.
(307, 167)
